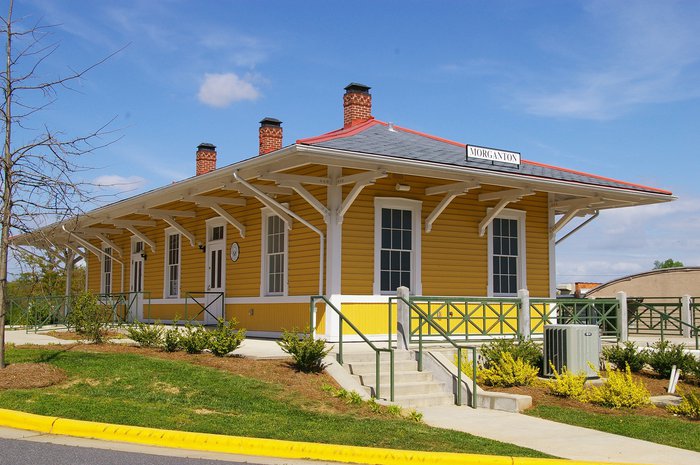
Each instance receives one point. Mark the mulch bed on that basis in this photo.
(30, 375)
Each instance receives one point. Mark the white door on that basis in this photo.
(137, 261)
(216, 274)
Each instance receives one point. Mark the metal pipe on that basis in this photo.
(268, 202)
(595, 215)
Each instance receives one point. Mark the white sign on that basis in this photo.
(235, 251)
(485, 153)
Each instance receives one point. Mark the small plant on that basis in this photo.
(568, 384)
(341, 393)
(527, 351)
(354, 398)
(415, 416)
(89, 317)
(171, 340)
(627, 355)
(620, 391)
(394, 410)
(195, 339)
(146, 335)
(374, 406)
(307, 352)
(508, 371)
(225, 338)
(327, 388)
(689, 406)
(665, 354)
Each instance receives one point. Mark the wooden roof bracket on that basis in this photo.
(142, 236)
(506, 197)
(214, 203)
(451, 191)
(361, 181)
(110, 243)
(89, 247)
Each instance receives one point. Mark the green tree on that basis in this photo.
(668, 263)
(44, 274)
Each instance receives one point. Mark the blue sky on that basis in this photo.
(607, 87)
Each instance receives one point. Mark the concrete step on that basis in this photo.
(410, 388)
(361, 368)
(355, 357)
(422, 400)
(399, 377)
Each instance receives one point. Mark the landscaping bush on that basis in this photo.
(194, 339)
(528, 351)
(689, 406)
(508, 371)
(307, 352)
(146, 335)
(568, 384)
(225, 338)
(171, 340)
(627, 355)
(620, 391)
(665, 355)
(89, 317)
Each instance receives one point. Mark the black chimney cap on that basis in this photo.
(206, 146)
(357, 87)
(270, 122)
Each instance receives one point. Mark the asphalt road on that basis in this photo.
(19, 447)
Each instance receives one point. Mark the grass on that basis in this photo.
(673, 432)
(144, 391)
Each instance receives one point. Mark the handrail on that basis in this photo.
(339, 357)
(423, 316)
(190, 295)
(664, 317)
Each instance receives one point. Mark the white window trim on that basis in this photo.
(212, 223)
(103, 282)
(402, 204)
(166, 285)
(520, 216)
(266, 213)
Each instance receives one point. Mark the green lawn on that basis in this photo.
(674, 432)
(138, 390)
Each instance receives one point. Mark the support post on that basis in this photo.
(686, 316)
(69, 256)
(524, 315)
(622, 316)
(403, 320)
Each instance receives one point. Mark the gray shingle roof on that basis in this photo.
(377, 138)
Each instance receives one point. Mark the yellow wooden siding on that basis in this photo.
(372, 318)
(173, 311)
(269, 317)
(454, 258)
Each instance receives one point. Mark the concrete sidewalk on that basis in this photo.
(571, 442)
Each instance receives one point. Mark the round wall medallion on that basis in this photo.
(235, 251)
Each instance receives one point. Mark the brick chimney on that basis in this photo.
(270, 135)
(206, 158)
(357, 104)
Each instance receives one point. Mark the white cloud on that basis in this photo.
(119, 183)
(222, 90)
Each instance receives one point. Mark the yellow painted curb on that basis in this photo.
(256, 446)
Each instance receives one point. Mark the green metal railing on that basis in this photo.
(203, 304)
(123, 305)
(695, 310)
(600, 312)
(437, 329)
(465, 318)
(659, 316)
(377, 350)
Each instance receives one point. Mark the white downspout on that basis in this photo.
(268, 202)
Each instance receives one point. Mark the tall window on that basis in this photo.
(107, 271)
(397, 245)
(172, 265)
(507, 254)
(275, 255)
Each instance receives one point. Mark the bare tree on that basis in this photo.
(40, 167)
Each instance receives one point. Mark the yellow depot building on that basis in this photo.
(351, 215)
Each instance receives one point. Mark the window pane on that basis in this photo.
(395, 280)
(395, 218)
(384, 260)
(386, 238)
(407, 219)
(385, 281)
(497, 245)
(395, 238)
(386, 218)
(405, 261)
(395, 261)
(406, 279)
(406, 245)
(513, 284)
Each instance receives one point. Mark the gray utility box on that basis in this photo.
(575, 347)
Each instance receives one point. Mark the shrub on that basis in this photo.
(171, 340)
(307, 352)
(89, 317)
(620, 391)
(666, 354)
(394, 410)
(146, 335)
(528, 351)
(225, 338)
(195, 339)
(689, 406)
(508, 371)
(568, 384)
(627, 355)
(416, 416)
